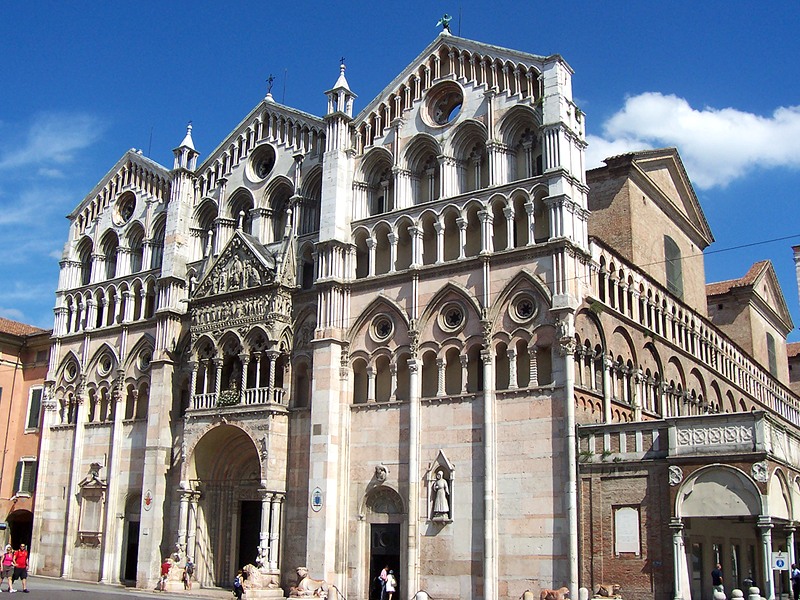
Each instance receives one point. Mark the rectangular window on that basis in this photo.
(672, 259)
(34, 408)
(25, 477)
(772, 361)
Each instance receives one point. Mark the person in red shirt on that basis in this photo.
(21, 567)
(165, 566)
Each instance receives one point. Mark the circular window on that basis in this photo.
(523, 308)
(145, 358)
(71, 372)
(262, 162)
(105, 364)
(382, 328)
(452, 317)
(126, 205)
(443, 104)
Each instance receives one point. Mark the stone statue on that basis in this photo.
(559, 594)
(444, 22)
(259, 579)
(235, 273)
(381, 473)
(441, 506)
(608, 590)
(307, 587)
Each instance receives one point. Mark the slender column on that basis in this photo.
(462, 235)
(679, 574)
(370, 384)
(440, 365)
(790, 542)
(183, 513)
(371, 245)
(512, 369)
(264, 534)
(191, 527)
(464, 372)
(76, 460)
(392, 236)
(765, 525)
(412, 571)
(534, 366)
(274, 530)
(245, 359)
(206, 374)
(531, 223)
(111, 540)
(607, 364)
(489, 453)
(508, 212)
(438, 226)
(487, 241)
(193, 385)
(218, 362)
(49, 417)
(393, 384)
(258, 370)
(567, 351)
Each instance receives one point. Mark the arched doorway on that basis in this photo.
(720, 510)
(385, 530)
(130, 540)
(226, 469)
(20, 525)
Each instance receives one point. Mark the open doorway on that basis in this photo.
(130, 540)
(249, 532)
(384, 552)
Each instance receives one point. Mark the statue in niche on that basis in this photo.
(236, 271)
(441, 491)
(251, 276)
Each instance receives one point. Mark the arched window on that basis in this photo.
(85, 258)
(109, 248)
(157, 244)
(672, 260)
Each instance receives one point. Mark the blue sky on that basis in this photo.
(81, 83)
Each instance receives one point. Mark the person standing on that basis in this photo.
(384, 574)
(391, 585)
(188, 571)
(716, 579)
(238, 585)
(7, 568)
(162, 582)
(21, 567)
(795, 574)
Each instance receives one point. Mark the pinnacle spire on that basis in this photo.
(342, 81)
(187, 141)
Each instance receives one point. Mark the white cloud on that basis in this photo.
(51, 139)
(12, 313)
(717, 145)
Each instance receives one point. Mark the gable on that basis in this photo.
(767, 288)
(134, 173)
(242, 264)
(662, 176)
(452, 57)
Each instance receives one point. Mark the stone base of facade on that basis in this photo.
(273, 593)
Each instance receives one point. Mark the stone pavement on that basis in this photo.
(52, 587)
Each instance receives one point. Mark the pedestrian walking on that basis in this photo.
(21, 567)
(716, 579)
(238, 585)
(7, 568)
(188, 571)
(795, 582)
(162, 582)
(391, 585)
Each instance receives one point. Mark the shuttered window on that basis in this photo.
(34, 408)
(25, 477)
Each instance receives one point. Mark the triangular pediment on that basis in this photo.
(663, 176)
(766, 286)
(445, 43)
(132, 172)
(243, 264)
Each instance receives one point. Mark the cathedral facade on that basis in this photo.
(403, 338)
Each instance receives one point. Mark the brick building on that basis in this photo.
(24, 353)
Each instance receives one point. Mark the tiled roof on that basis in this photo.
(17, 328)
(793, 349)
(723, 287)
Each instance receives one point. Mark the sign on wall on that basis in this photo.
(780, 561)
(626, 530)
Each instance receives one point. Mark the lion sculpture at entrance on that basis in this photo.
(307, 587)
(259, 579)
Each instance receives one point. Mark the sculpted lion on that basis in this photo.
(307, 587)
(259, 580)
(608, 590)
(559, 594)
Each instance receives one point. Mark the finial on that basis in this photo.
(445, 23)
(270, 81)
(241, 220)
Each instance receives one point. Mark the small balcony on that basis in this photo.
(247, 397)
